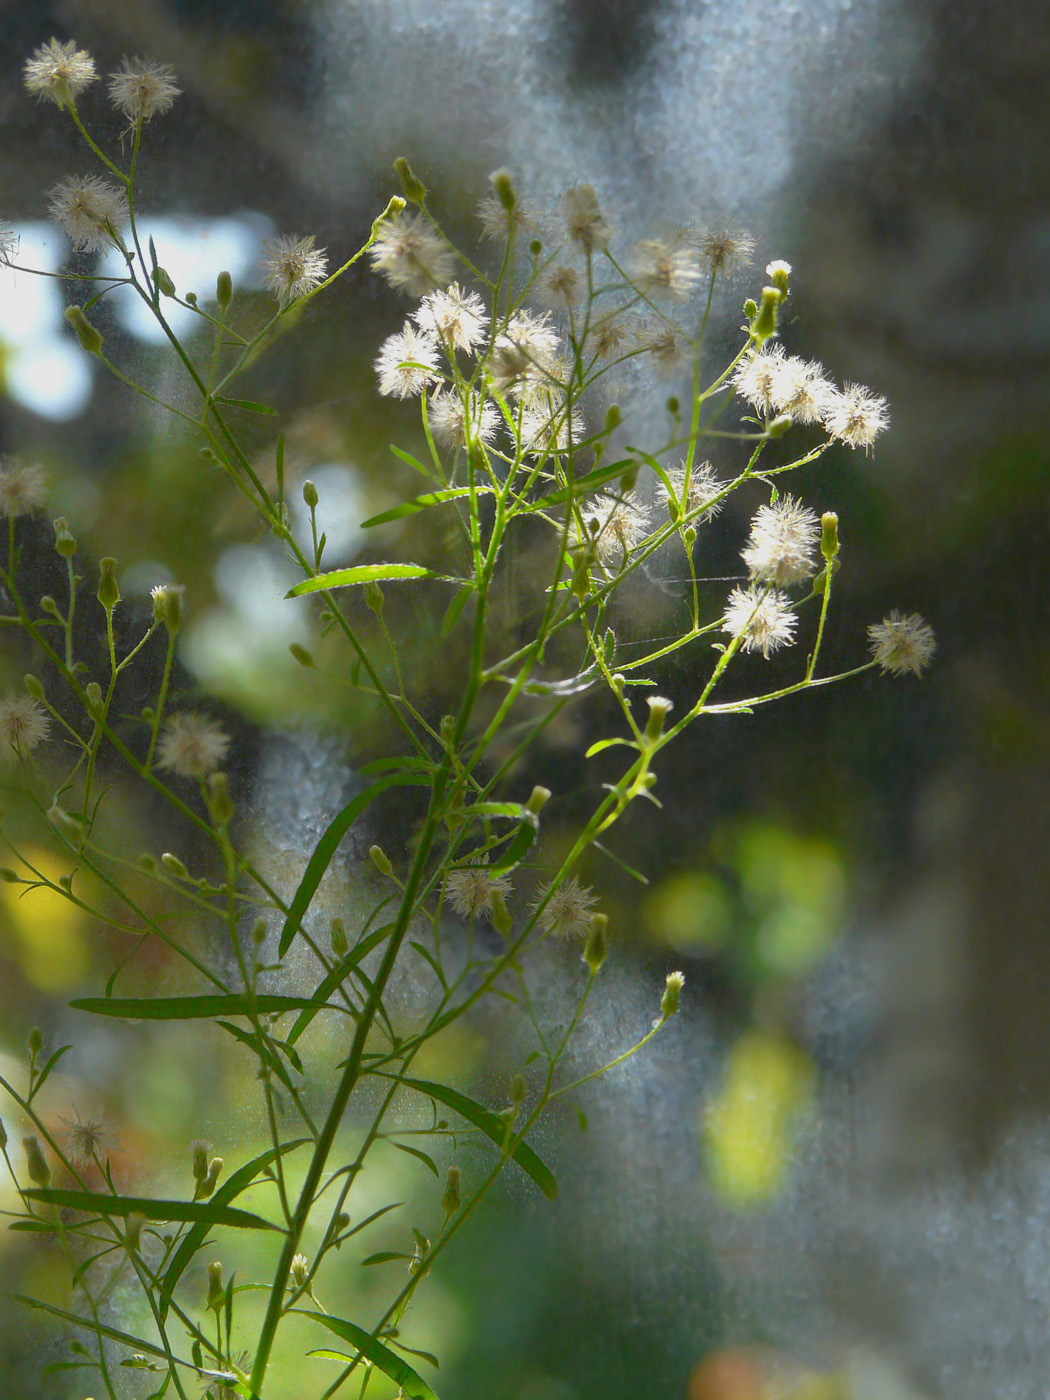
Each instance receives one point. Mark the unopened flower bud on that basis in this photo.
(224, 289)
(36, 1162)
(65, 824)
(595, 948)
(173, 865)
(300, 1270)
(65, 544)
(215, 1289)
(629, 479)
(108, 590)
(34, 687)
(208, 1185)
(48, 605)
(447, 729)
(200, 1162)
(613, 417)
(673, 406)
(829, 534)
(517, 1088)
(259, 932)
(379, 860)
(167, 605)
(535, 247)
(133, 1230)
(659, 709)
(340, 946)
(301, 654)
(412, 187)
(9, 876)
(450, 1199)
(220, 803)
(764, 323)
(165, 285)
(672, 994)
(373, 596)
(89, 337)
(34, 1042)
(537, 800)
(501, 182)
(780, 425)
(93, 699)
(499, 914)
(310, 495)
(750, 308)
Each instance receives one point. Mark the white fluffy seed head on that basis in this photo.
(457, 420)
(90, 210)
(587, 226)
(407, 362)
(783, 543)
(456, 317)
(59, 72)
(23, 488)
(567, 913)
(24, 723)
(411, 256)
(141, 89)
(856, 416)
(902, 643)
(293, 266)
(664, 269)
(762, 617)
(192, 745)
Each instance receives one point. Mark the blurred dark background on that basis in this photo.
(832, 1179)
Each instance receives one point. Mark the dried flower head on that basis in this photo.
(141, 89)
(456, 420)
(567, 913)
(610, 334)
(411, 256)
(472, 891)
(757, 377)
(667, 346)
(90, 210)
(762, 616)
(724, 249)
(664, 269)
(783, 542)
(704, 486)
(407, 363)
(561, 285)
(59, 72)
(497, 221)
(294, 266)
(584, 220)
(23, 488)
(856, 416)
(902, 643)
(192, 745)
(547, 425)
(24, 723)
(88, 1139)
(455, 317)
(801, 388)
(300, 1271)
(618, 525)
(525, 357)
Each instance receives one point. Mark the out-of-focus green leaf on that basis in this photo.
(359, 573)
(100, 1203)
(400, 1372)
(413, 507)
(196, 1008)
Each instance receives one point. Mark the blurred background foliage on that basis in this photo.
(855, 883)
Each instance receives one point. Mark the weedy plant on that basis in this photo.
(508, 396)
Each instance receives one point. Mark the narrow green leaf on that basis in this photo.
(359, 573)
(100, 1203)
(603, 744)
(232, 1187)
(514, 810)
(197, 1008)
(52, 1061)
(335, 977)
(412, 462)
(618, 860)
(370, 1219)
(492, 1127)
(248, 406)
(455, 609)
(40, 1227)
(517, 848)
(326, 849)
(428, 1162)
(385, 1256)
(413, 507)
(425, 952)
(392, 1365)
(89, 1325)
(584, 485)
(259, 1047)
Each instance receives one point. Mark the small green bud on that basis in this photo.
(829, 534)
(48, 605)
(535, 247)
(672, 994)
(300, 1270)
(89, 337)
(9, 876)
(821, 580)
(93, 699)
(301, 654)
(133, 1230)
(373, 596)
(500, 914)
(340, 946)
(412, 187)
(65, 824)
(673, 511)
(167, 605)
(778, 273)
(34, 687)
(673, 406)
(220, 803)
(447, 730)
(618, 681)
(147, 863)
(379, 860)
(450, 1199)
(629, 479)
(537, 800)
(517, 1089)
(310, 495)
(764, 323)
(690, 536)
(209, 1182)
(108, 590)
(613, 417)
(595, 948)
(36, 1162)
(224, 289)
(173, 865)
(34, 1042)
(165, 285)
(659, 709)
(191, 297)
(501, 182)
(65, 544)
(259, 932)
(216, 1293)
(581, 573)
(780, 425)
(200, 1162)
(750, 308)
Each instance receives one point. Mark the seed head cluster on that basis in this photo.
(59, 72)
(192, 745)
(294, 266)
(782, 548)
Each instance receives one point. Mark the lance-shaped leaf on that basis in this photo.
(584, 485)
(413, 507)
(493, 1127)
(357, 574)
(198, 1008)
(413, 1386)
(99, 1203)
(89, 1324)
